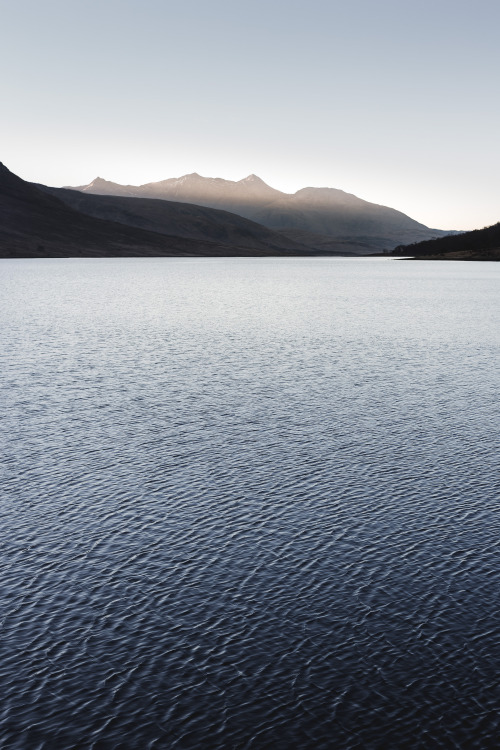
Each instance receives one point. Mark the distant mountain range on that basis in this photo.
(480, 244)
(105, 219)
(34, 222)
(323, 219)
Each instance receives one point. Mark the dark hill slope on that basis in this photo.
(34, 223)
(480, 244)
(179, 219)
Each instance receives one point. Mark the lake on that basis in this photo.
(249, 503)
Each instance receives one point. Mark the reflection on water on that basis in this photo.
(249, 503)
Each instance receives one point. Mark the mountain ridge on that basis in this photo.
(328, 212)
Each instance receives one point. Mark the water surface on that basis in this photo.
(249, 503)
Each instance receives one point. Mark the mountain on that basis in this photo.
(179, 219)
(35, 223)
(314, 216)
(480, 244)
(213, 192)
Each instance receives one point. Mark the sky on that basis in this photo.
(392, 100)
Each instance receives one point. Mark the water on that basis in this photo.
(249, 504)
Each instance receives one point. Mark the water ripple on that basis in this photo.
(249, 504)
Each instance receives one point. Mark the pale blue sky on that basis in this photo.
(395, 101)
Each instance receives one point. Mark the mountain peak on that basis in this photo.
(192, 177)
(255, 185)
(253, 178)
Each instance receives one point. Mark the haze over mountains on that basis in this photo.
(322, 218)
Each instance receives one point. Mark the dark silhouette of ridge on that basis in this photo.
(480, 244)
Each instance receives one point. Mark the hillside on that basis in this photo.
(325, 214)
(480, 244)
(179, 219)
